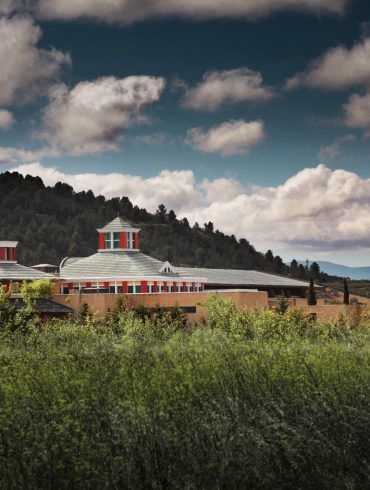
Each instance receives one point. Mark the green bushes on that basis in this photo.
(245, 401)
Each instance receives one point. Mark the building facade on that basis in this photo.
(119, 267)
(11, 272)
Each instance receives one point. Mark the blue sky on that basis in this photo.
(152, 128)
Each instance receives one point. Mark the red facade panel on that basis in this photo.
(101, 241)
(124, 287)
(144, 286)
(123, 240)
(136, 240)
(2, 253)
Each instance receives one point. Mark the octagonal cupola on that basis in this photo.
(7, 251)
(118, 235)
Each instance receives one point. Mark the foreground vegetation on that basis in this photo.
(245, 400)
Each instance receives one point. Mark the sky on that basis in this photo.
(252, 114)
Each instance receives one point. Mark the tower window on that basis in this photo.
(116, 240)
(130, 240)
(107, 240)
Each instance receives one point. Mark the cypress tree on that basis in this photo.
(345, 293)
(311, 300)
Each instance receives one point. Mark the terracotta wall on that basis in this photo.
(327, 312)
(101, 304)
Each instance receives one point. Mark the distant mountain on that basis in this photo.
(343, 271)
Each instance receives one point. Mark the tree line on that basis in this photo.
(51, 223)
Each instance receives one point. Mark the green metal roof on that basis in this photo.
(17, 272)
(114, 265)
(118, 224)
(119, 264)
(234, 277)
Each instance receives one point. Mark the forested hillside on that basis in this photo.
(53, 222)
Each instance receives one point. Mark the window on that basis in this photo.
(119, 289)
(130, 240)
(150, 288)
(130, 289)
(188, 288)
(112, 289)
(137, 288)
(170, 288)
(179, 288)
(116, 240)
(107, 240)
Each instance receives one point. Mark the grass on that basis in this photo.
(249, 400)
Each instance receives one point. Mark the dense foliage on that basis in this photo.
(54, 222)
(245, 400)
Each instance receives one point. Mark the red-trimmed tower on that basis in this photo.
(118, 235)
(7, 251)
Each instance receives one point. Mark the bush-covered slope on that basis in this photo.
(53, 222)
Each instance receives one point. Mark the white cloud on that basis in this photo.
(26, 71)
(357, 112)
(91, 117)
(177, 189)
(13, 155)
(337, 69)
(332, 150)
(316, 209)
(219, 88)
(6, 120)
(126, 11)
(230, 138)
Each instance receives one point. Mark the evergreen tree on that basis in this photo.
(311, 299)
(345, 292)
(294, 268)
(314, 271)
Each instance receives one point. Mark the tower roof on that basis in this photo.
(118, 224)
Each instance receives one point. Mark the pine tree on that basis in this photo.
(311, 299)
(315, 270)
(346, 293)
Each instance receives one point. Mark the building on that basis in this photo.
(11, 272)
(119, 267)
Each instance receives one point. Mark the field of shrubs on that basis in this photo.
(259, 400)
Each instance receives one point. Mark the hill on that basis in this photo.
(54, 222)
(356, 273)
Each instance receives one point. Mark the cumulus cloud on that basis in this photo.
(357, 112)
(6, 120)
(337, 69)
(332, 150)
(26, 71)
(91, 117)
(175, 188)
(219, 88)
(316, 209)
(126, 11)
(235, 137)
(9, 154)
